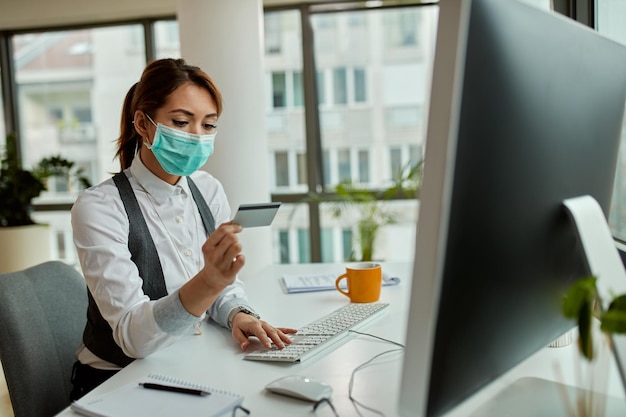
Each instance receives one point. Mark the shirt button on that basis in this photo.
(179, 219)
(188, 252)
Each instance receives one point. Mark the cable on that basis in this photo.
(356, 402)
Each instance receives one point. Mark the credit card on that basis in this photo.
(255, 215)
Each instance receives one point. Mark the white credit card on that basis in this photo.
(255, 215)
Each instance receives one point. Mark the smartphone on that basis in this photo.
(255, 215)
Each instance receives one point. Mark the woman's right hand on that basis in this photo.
(222, 262)
(222, 257)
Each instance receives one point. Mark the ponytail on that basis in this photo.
(129, 141)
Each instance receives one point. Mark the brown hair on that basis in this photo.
(160, 78)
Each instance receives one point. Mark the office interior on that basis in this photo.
(317, 93)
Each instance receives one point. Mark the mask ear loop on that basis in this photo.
(145, 141)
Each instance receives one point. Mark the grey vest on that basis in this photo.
(98, 335)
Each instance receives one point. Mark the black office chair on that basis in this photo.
(42, 316)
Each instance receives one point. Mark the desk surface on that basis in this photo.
(214, 359)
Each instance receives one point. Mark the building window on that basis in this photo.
(360, 95)
(272, 29)
(395, 161)
(301, 162)
(281, 162)
(340, 86)
(347, 237)
(283, 238)
(343, 165)
(328, 249)
(364, 166)
(304, 246)
(279, 90)
(298, 93)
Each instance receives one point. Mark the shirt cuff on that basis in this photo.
(171, 316)
(225, 309)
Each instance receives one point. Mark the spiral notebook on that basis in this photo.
(134, 400)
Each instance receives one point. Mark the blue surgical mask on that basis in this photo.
(180, 153)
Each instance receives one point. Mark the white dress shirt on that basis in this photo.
(100, 226)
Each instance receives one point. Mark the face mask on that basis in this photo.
(180, 153)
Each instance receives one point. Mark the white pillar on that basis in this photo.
(225, 39)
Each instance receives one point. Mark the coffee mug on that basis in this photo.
(364, 280)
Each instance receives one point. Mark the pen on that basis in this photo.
(170, 388)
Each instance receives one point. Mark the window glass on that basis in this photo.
(385, 84)
(611, 17)
(328, 246)
(281, 160)
(298, 93)
(70, 88)
(167, 39)
(360, 92)
(290, 226)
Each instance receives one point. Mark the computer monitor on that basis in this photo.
(526, 110)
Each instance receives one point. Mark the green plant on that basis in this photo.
(371, 211)
(18, 186)
(583, 303)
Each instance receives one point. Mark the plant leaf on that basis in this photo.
(582, 294)
(585, 338)
(614, 321)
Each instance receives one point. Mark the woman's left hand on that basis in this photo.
(245, 325)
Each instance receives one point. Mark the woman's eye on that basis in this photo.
(210, 127)
(180, 123)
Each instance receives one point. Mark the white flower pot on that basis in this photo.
(24, 246)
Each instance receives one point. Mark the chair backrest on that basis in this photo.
(42, 316)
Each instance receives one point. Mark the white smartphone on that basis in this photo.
(255, 215)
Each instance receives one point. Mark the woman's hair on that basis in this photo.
(160, 78)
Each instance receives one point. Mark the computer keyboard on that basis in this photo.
(322, 333)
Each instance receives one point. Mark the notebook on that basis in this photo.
(133, 400)
(295, 283)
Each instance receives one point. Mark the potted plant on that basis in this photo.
(594, 316)
(20, 235)
(370, 209)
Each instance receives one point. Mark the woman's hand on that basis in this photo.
(245, 325)
(222, 257)
(222, 261)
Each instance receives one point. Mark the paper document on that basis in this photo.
(294, 283)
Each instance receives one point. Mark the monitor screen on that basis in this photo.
(526, 110)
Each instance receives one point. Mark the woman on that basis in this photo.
(141, 236)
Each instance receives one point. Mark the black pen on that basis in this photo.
(171, 388)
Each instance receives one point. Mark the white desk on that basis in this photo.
(215, 360)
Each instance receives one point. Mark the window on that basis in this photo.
(272, 31)
(360, 92)
(344, 167)
(298, 93)
(347, 237)
(395, 161)
(610, 19)
(282, 169)
(304, 251)
(279, 90)
(328, 247)
(166, 38)
(364, 167)
(340, 86)
(66, 80)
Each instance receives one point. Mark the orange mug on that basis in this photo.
(364, 280)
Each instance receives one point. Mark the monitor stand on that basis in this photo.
(534, 397)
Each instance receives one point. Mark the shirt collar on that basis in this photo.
(155, 186)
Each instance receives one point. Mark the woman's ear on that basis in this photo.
(141, 124)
